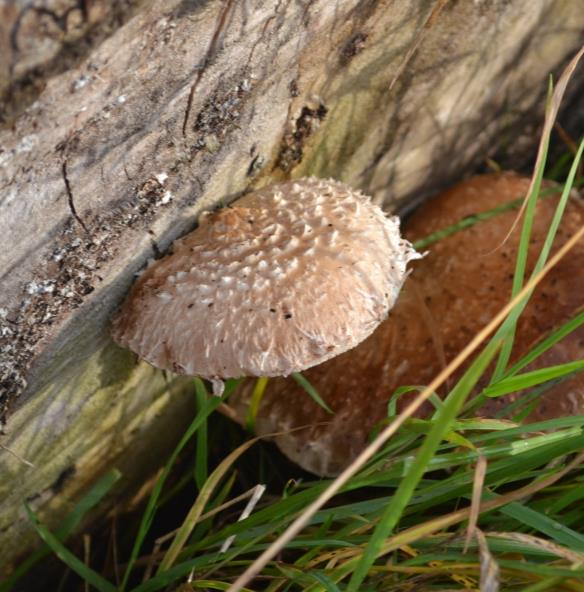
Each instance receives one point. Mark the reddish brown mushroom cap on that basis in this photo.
(286, 278)
(453, 292)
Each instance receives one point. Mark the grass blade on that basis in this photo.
(212, 585)
(483, 216)
(84, 571)
(505, 355)
(533, 378)
(558, 214)
(209, 406)
(402, 390)
(303, 382)
(467, 222)
(547, 343)
(490, 572)
(521, 262)
(552, 108)
(254, 404)
(201, 456)
(71, 521)
(326, 583)
(197, 510)
(544, 524)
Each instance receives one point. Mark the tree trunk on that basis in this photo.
(124, 120)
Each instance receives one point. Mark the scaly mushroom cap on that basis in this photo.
(452, 293)
(286, 278)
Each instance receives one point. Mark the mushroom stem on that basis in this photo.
(256, 398)
(218, 387)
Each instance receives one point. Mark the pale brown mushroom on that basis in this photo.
(453, 292)
(285, 278)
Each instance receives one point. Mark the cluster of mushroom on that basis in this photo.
(452, 293)
(296, 274)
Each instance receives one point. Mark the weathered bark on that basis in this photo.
(185, 106)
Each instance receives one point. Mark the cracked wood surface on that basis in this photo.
(181, 108)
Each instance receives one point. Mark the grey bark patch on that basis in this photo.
(66, 277)
(40, 40)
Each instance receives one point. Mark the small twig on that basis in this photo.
(566, 138)
(15, 455)
(489, 567)
(255, 498)
(477, 489)
(157, 554)
(210, 52)
(70, 197)
(87, 555)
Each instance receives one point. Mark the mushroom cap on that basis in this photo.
(451, 294)
(285, 278)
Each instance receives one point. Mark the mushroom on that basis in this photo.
(452, 293)
(285, 278)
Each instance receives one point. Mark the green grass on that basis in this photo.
(89, 501)
(399, 522)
